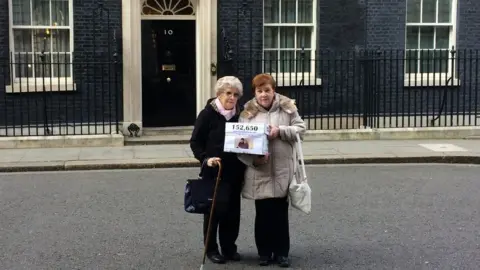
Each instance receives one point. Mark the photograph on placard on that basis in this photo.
(244, 143)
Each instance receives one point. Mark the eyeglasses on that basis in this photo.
(229, 94)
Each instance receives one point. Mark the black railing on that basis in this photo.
(374, 89)
(40, 97)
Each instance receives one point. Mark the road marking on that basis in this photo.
(443, 147)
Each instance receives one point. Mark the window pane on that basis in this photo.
(429, 11)
(270, 61)
(23, 65)
(433, 61)
(412, 37)
(441, 61)
(21, 12)
(413, 11)
(271, 11)
(270, 39)
(411, 62)
(41, 12)
(61, 65)
(444, 10)
(287, 37)
(289, 10)
(426, 61)
(61, 40)
(41, 40)
(287, 61)
(42, 69)
(305, 11)
(303, 61)
(442, 38)
(60, 13)
(22, 40)
(304, 37)
(426, 37)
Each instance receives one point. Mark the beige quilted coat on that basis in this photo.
(272, 179)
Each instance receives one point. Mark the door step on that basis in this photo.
(168, 131)
(152, 136)
(164, 139)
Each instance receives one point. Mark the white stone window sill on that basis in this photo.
(286, 80)
(430, 81)
(32, 87)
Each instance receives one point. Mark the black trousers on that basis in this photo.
(226, 221)
(272, 235)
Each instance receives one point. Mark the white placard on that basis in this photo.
(246, 138)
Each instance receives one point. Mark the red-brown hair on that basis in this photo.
(263, 79)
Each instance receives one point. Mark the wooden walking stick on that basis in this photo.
(211, 212)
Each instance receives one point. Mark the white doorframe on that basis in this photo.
(206, 54)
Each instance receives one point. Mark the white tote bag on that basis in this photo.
(299, 190)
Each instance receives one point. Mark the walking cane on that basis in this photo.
(211, 212)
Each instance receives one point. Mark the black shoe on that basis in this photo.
(264, 260)
(215, 257)
(283, 261)
(233, 257)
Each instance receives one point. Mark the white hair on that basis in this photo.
(228, 82)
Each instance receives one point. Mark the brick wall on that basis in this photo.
(341, 24)
(468, 24)
(244, 32)
(386, 24)
(95, 96)
(3, 29)
(341, 28)
(96, 38)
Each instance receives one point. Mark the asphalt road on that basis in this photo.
(364, 217)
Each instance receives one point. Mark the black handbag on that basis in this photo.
(199, 194)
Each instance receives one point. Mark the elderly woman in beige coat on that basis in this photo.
(267, 177)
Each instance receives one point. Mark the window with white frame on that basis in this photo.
(289, 37)
(430, 34)
(41, 39)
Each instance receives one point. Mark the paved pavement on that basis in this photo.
(179, 155)
(364, 217)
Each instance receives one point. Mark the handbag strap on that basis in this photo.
(203, 165)
(302, 161)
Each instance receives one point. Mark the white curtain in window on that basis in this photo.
(288, 29)
(21, 12)
(50, 16)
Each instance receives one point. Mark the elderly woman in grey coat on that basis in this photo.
(267, 177)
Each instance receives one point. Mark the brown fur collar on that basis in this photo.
(284, 103)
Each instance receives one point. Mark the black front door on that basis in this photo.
(168, 73)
